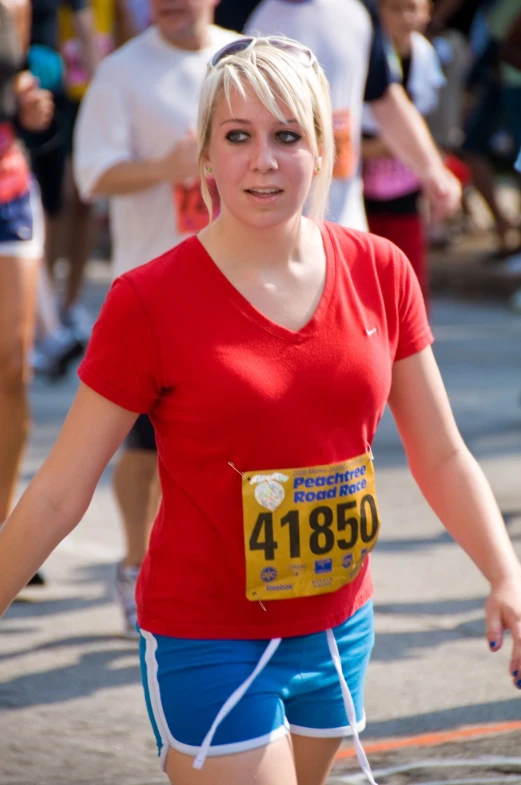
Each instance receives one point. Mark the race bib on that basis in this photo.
(307, 531)
(344, 154)
(190, 209)
(387, 178)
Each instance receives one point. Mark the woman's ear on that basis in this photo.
(318, 164)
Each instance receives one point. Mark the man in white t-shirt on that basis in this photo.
(135, 143)
(347, 39)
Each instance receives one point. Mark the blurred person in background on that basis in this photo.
(82, 32)
(135, 144)
(347, 38)
(391, 189)
(23, 104)
(493, 128)
(233, 15)
(57, 345)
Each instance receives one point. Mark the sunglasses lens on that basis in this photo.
(301, 53)
(231, 49)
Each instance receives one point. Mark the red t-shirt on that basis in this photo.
(222, 383)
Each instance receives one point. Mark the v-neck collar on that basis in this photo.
(239, 301)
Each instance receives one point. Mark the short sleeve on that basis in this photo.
(380, 73)
(414, 332)
(102, 136)
(122, 358)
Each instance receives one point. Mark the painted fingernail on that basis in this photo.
(514, 673)
(518, 684)
(492, 644)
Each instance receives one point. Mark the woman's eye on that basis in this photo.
(288, 137)
(237, 136)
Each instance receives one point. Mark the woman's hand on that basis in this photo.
(35, 106)
(503, 612)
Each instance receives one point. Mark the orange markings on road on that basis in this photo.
(432, 739)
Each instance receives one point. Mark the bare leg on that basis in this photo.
(18, 284)
(54, 241)
(79, 239)
(484, 179)
(134, 480)
(314, 758)
(269, 765)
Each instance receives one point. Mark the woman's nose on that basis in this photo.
(263, 155)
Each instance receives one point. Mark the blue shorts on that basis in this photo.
(187, 683)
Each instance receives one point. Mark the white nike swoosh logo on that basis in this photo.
(371, 332)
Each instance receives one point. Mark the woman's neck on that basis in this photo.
(258, 247)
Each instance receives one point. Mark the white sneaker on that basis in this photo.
(78, 320)
(125, 590)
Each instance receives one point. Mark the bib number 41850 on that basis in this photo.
(324, 524)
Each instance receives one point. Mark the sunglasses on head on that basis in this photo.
(304, 55)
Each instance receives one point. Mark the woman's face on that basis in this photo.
(263, 168)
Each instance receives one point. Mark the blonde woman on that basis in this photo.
(264, 350)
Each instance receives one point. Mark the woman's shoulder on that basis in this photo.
(358, 245)
(161, 273)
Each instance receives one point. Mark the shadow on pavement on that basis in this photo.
(399, 646)
(432, 607)
(93, 672)
(473, 714)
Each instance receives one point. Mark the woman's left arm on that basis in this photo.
(454, 485)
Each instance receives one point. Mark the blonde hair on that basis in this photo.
(275, 74)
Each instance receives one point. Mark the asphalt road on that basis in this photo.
(71, 704)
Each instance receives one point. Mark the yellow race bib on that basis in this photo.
(307, 531)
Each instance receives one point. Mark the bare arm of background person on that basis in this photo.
(85, 30)
(35, 106)
(454, 485)
(127, 177)
(126, 26)
(60, 493)
(406, 134)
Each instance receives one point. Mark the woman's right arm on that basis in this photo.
(60, 493)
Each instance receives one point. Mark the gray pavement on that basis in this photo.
(71, 705)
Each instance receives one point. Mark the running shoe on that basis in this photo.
(52, 355)
(38, 579)
(125, 591)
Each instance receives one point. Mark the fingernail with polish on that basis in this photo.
(514, 673)
(492, 644)
(518, 684)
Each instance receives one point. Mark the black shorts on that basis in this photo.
(142, 435)
(49, 151)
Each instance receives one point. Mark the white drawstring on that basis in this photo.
(233, 700)
(349, 706)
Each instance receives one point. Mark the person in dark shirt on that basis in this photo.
(233, 14)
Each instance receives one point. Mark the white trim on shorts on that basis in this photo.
(162, 725)
(33, 248)
(328, 733)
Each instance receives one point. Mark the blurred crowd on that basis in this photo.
(459, 62)
(467, 85)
